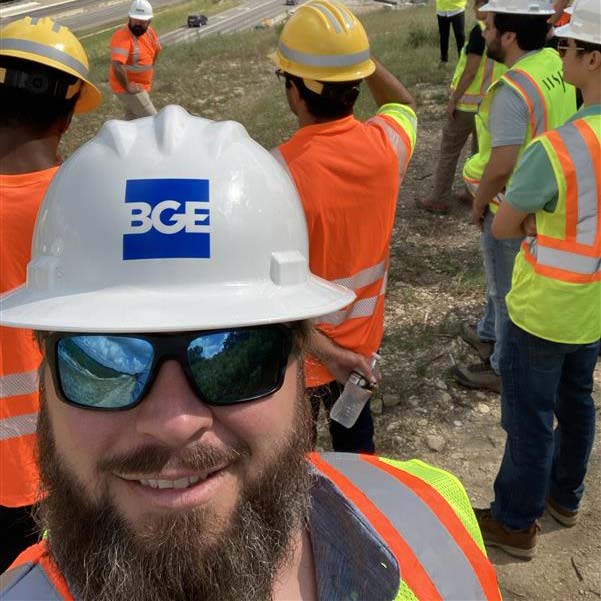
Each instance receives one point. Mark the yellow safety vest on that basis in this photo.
(538, 80)
(488, 72)
(556, 288)
(449, 5)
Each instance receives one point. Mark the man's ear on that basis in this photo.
(508, 38)
(593, 60)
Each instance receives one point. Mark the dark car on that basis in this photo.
(290, 2)
(197, 20)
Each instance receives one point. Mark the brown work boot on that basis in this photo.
(479, 376)
(566, 517)
(469, 334)
(519, 543)
(432, 206)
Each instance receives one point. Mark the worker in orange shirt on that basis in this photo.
(134, 51)
(348, 175)
(43, 81)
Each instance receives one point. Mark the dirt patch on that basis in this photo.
(435, 282)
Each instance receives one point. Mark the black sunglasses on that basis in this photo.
(114, 372)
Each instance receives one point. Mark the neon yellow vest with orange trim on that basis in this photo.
(556, 288)
(488, 72)
(538, 80)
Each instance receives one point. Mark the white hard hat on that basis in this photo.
(585, 24)
(140, 9)
(169, 223)
(519, 7)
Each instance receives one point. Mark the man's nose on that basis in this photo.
(172, 413)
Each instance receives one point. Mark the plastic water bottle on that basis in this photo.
(355, 394)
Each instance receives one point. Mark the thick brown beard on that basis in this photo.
(168, 559)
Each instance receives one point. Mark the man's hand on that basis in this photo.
(340, 361)
(529, 225)
(134, 88)
(478, 214)
(451, 108)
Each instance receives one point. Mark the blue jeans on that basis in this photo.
(498, 256)
(542, 379)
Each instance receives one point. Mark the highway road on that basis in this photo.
(82, 15)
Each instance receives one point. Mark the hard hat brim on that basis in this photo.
(139, 17)
(134, 309)
(491, 8)
(90, 96)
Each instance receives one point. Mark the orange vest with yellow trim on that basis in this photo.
(348, 174)
(421, 513)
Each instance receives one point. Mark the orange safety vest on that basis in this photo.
(137, 54)
(421, 513)
(348, 175)
(20, 358)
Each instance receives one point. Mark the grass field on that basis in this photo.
(230, 76)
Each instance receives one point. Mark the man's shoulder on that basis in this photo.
(120, 35)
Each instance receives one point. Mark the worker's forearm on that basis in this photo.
(491, 184)
(385, 87)
(120, 74)
(464, 83)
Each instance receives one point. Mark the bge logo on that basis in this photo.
(168, 218)
(165, 217)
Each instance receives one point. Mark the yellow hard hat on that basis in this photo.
(44, 41)
(324, 41)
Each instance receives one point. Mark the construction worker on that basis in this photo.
(474, 74)
(348, 175)
(450, 13)
(43, 81)
(134, 51)
(554, 305)
(173, 428)
(528, 99)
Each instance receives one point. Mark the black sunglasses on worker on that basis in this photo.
(114, 372)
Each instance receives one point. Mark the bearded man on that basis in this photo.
(173, 431)
(135, 48)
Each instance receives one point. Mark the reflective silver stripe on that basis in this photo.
(18, 425)
(329, 16)
(362, 308)
(365, 277)
(120, 51)
(395, 140)
(34, 20)
(138, 68)
(586, 181)
(534, 95)
(563, 259)
(28, 581)
(43, 50)
(56, 27)
(323, 60)
(433, 546)
(25, 382)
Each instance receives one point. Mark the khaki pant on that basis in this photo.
(137, 105)
(454, 136)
